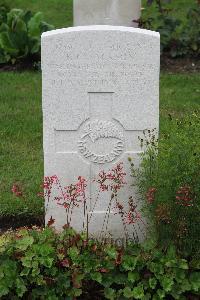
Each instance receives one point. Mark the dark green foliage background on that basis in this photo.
(20, 35)
(167, 166)
(178, 23)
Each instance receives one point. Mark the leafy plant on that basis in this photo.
(39, 263)
(178, 38)
(4, 9)
(20, 33)
(169, 181)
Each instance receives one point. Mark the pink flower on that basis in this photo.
(150, 195)
(16, 190)
(184, 196)
(113, 180)
(132, 217)
(65, 263)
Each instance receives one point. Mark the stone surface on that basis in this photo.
(106, 12)
(100, 91)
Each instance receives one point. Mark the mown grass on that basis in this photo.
(21, 157)
(21, 141)
(59, 12)
(56, 12)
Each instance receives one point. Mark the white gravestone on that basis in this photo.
(107, 12)
(100, 91)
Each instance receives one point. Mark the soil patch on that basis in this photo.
(21, 66)
(14, 222)
(180, 65)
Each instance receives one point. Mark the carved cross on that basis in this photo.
(100, 142)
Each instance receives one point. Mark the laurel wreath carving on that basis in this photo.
(101, 129)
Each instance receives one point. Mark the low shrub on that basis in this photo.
(20, 33)
(178, 37)
(169, 181)
(41, 264)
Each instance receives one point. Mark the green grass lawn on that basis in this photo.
(59, 12)
(21, 141)
(21, 158)
(56, 12)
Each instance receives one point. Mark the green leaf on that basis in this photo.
(167, 283)
(1, 273)
(45, 250)
(34, 25)
(120, 278)
(183, 264)
(4, 58)
(194, 46)
(171, 263)
(7, 44)
(97, 277)
(73, 253)
(24, 243)
(46, 261)
(152, 283)
(4, 290)
(133, 276)
(27, 261)
(20, 287)
(109, 293)
(25, 272)
(171, 252)
(195, 281)
(4, 27)
(20, 26)
(77, 292)
(138, 292)
(149, 244)
(46, 27)
(185, 285)
(161, 294)
(129, 262)
(34, 45)
(13, 15)
(179, 274)
(111, 252)
(156, 268)
(27, 15)
(127, 292)
(108, 280)
(147, 296)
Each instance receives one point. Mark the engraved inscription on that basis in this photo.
(104, 132)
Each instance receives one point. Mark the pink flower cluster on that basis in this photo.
(130, 217)
(72, 194)
(48, 184)
(184, 196)
(133, 217)
(150, 195)
(16, 190)
(112, 180)
(75, 194)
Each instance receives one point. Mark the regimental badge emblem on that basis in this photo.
(101, 141)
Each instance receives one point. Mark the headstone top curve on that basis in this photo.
(100, 28)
